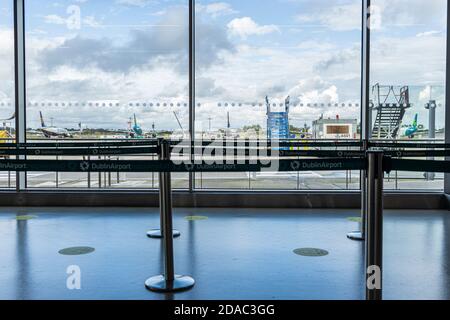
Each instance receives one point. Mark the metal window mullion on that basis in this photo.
(191, 84)
(365, 98)
(20, 82)
(365, 101)
(447, 99)
(365, 71)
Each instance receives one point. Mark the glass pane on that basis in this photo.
(278, 69)
(408, 69)
(99, 70)
(7, 119)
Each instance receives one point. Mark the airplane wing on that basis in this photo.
(11, 118)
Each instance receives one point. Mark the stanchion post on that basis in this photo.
(89, 174)
(361, 234)
(374, 226)
(169, 282)
(163, 155)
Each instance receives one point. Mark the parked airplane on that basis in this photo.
(6, 132)
(53, 132)
(412, 129)
(135, 130)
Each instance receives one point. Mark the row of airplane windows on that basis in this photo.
(144, 104)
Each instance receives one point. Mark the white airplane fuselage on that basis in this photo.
(53, 132)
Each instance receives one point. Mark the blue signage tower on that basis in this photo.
(278, 122)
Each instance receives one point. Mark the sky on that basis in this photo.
(99, 61)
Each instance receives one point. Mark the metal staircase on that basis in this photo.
(391, 105)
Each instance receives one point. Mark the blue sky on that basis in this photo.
(136, 50)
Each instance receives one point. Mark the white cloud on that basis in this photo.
(385, 14)
(411, 12)
(426, 94)
(134, 3)
(245, 27)
(337, 17)
(428, 33)
(408, 60)
(55, 19)
(215, 9)
(6, 64)
(89, 21)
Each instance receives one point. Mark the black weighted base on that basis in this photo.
(159, 284)
(357, 236)
(156, 234)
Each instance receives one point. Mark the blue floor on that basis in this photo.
(235, 254)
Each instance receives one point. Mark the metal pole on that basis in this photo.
(109, 175)
(431, 106)
(100, 176)
(396, 180)
(166, 215)
(346, 180)
(365, 112)
(89, 175)
(20, 85)
(447, 99)
(118, 173)
(374, 227)
(191, 87)
(153, 175)
(105, 175)
(163, 155)
(169, 282)
(57, 174)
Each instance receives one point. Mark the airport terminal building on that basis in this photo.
(335, 129)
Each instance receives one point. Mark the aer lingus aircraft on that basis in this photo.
(135, 130)
(412, 129)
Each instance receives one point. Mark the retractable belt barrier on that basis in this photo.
(170, 166)
(231, 142)
(389, 164)
(228, 143)
(78, 151)
(362, 154)
(80, 144)
(429, 145)
(214, 151)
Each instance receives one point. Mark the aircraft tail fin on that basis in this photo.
(268, 104)
(42, 120)
(416, 119)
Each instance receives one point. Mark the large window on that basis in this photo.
(106, 70)
(408, 50)
(287, 69)
(303, 56)
(7, 119)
